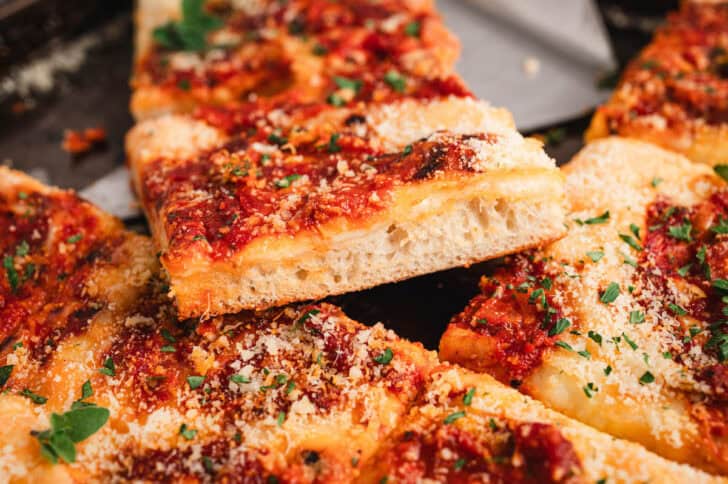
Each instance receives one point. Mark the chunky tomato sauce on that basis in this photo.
(227, 198)
(518, 315)
(50, 246)
(689, 245)
(504, 451)
(682, 75)
(344, 40)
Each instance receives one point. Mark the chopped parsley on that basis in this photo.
(459, 464)
(109, 369)
(308, 315)
(168, 336)
(5, 372)
(721, 227)
(721, 284)
(601, 219)
(335, 100)
(74, 239)
(631, 343)
(277, 139)
(646, 378)
(453, 417)
(286, 181)
(656, 181)
(281, 418)
(167, 349)
(346, 83)
(468, 397)
(407, 150)
(194, 381)
(595, 255)
(594, 336)
(630, 241)
(412, 28)
(681, 232)
(385, 357)
(610, 293)
(190, 33)
(319, 50)
(684, 270)
(565, 345)
(333, 147)
(636, 317)
(239, 379)
(722, 171)
(395, 80)
(561, 325)
(187, 432)
(11, 273)
(22, 249)
(34, 397)
(607, 370)
(635, 230)
(677, 310)
(590, 389)
(68, 429)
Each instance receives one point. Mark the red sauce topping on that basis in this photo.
(385, 63)
(681, 75)
(504, 452)
(235, 194)
(50, 246)
(690, 245)
(518, 316)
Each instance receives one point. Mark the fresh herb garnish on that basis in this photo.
(453, 417)
(646, 378)
(187, 432)
(559, 327)
(630, 241)
(74, 239)
(68, 429)
(468, 397)
(412, 28)
(636, 317)
(385, 357)
(194, 381)
(286, 181)
(610, 293)
(681, 232)
(5, 372)
(395, 80)
(11, 273)
(346, 83)
(109, 368)
(190, 33)
(34, 397)
(595, 255)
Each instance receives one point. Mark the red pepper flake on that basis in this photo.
(80, 142)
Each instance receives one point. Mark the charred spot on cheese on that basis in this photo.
(504, 451)
(517, 316)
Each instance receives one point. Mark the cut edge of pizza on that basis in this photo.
(674, 93)
(468, 424)
(355, 198)
(619, 324)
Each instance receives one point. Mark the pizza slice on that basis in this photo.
(675, 93)
(191, 52)
(470, 428)
(296, 206)
(99, 380)
(622, 323)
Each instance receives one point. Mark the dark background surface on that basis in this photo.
(32, 126)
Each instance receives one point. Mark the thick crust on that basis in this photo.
(268, 48)
(416, 202)
(675, 93)
(298, 394)
(615, 325)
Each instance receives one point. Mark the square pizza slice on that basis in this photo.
(191, 52)
(468, 427)
(100, 381)
(675, 93)
(295, 205)
(622, 323)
